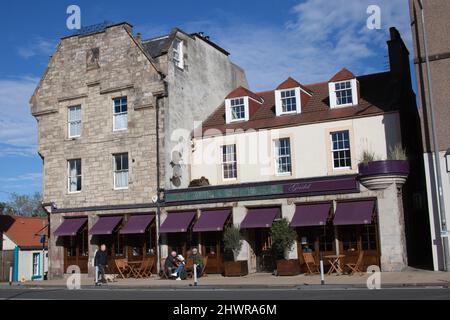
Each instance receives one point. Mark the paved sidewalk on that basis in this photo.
(411, 277)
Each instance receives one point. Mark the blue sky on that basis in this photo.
(307, 39)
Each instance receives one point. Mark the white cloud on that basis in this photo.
(18, 129)
(38, 47)
(28, 177)
(321, 38)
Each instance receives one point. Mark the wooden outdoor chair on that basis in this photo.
(310, 262)
(189, 268)
(356, 267)
(123, 268)
(144, 270)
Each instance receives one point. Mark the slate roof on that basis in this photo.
(375, 97)
(158, 46)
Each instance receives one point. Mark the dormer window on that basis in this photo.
(178, 53)
(237, 109)
(343, 89)
(288, 101)
(344, 95)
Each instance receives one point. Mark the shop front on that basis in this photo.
(139, 235)
(257, 225)
(176, 231)
(209, 227)
(72, 235)
(131, 237)
(106, 231)
(332, 216)
(357, 231)
(315, 233)
(350, 232)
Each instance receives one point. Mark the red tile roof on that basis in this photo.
(243, 92)
(374, 99)
(24, 231)
(290, 83)
(343, 75)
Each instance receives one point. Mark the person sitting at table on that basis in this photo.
(173, 266)
(197, 259)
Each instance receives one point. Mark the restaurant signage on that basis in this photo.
(291, 188)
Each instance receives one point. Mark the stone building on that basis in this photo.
(109, 107)
(437, 26)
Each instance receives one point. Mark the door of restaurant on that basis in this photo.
(356, 238)
(182, 242)
(76, 251)
(319, 239)
(262, 248)
(115, 246)
(212, 247)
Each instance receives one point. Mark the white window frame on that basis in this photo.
(228, 109)
(333, 96)
(229, 162)
(37, 264)
(115, 171)
(177, 53)
(278, 156)
(78, 175)
(71, 122)
(279, 102)
(349, 149)
(121, 113)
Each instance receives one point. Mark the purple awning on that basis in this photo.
(177, 222)
(70, 227)
(354, 212)
(137, 224)
(260, 218)
(212, 220)
(313, 214)
(105, 225)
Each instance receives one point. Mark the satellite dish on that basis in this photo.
(155, 199)
(177, 171)
(176, 157)
(176, 181)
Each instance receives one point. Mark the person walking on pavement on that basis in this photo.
(101, 262)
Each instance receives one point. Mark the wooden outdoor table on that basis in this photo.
(335, 261)
(133, 265)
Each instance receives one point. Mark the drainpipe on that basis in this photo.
(159, 97)
(438, 173)
(16, 264)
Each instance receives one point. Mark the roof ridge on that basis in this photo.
(156, 38)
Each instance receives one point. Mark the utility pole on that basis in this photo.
(438, 172)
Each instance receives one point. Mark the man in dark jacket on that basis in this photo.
(173, 266)
(101, 261)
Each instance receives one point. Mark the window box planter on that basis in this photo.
(288, 267)
(378, 175)
(235, 268)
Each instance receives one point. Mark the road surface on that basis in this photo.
(201, 294)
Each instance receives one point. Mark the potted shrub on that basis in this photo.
(283, 238)
(378, 174)
(232, 239)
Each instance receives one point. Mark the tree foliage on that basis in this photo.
(232, 239)
(23, 205)
(283, 236)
